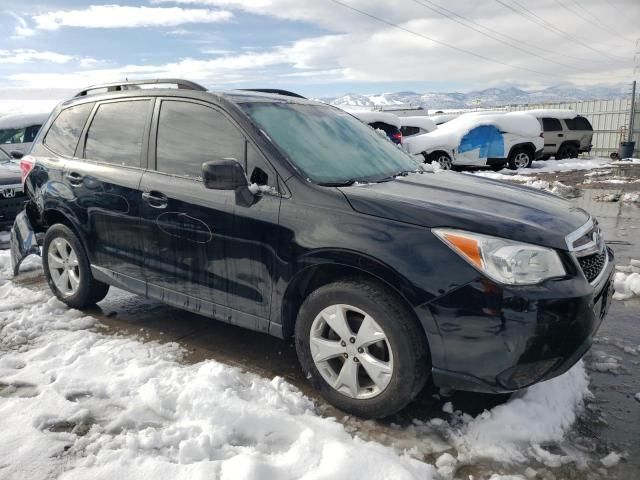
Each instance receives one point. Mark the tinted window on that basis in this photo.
(385, 127)
(65, 132)
(408, 131)
(551, 125)
(31, 132)
(116, 133)
(12, 135)
(190, 134)
(578, 123)
(326, 144)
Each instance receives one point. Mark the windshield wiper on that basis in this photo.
(344, 183)
(401, 173)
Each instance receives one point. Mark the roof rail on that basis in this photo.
(119, 86)
(274, 90)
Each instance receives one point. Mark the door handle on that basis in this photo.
(561, 134)
(74, 178)
(155, 199)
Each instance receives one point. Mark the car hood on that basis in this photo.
(455, 200)
(10, 173)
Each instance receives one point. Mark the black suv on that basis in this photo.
(293, 218)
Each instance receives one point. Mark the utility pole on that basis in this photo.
(633, 111)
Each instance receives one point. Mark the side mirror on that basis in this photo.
(16, 154)
(225, 174)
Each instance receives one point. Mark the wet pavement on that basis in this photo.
(609, 422)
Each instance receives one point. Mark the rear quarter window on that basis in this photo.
(578, 123)
(64, 133)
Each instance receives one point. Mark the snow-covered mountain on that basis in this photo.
(490, 97)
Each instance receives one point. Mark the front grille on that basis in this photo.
(592, 265)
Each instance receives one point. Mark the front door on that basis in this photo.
(187, 227)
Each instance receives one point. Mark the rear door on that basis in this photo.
(105, 183)
(553, 135)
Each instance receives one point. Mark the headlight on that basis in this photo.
(503, 260)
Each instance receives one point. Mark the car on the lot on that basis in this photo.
(384, 121)
(12, 197)
(481, 139)
(17, 131)
(416, 125)
(292, 218)
(566, 134)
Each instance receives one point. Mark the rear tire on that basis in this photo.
(567, 151)
(520, 158)
(381, 348)
(67, 269)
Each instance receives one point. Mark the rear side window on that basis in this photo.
(385, 127)
(190, 134)
(578, 123)
(116, 133)
(551, 125)
(65, 131)
(408, 131)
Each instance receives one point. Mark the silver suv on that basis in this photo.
(565, 137)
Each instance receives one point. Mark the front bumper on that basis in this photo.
(499, 339)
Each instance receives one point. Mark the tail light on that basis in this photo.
(397, 137)
(26, 165)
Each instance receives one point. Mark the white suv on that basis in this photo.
(482, 139)
(566, 134)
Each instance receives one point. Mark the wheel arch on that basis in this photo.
(316, 275)
(51, 216)
(525, 145)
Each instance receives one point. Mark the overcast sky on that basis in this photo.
(318, 47)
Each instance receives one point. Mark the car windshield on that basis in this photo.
(327, 145)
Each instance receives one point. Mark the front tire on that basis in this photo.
(443, 159)
(520, 158)
(361, 348)
(67, 270)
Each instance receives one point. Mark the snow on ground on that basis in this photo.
(549, 166)
(627, 280)
(78, 403)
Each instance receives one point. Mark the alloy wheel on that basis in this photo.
(521, 160)
(445, 162)
(63, 266)
(351, 351)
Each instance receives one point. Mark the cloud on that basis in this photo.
(23, 55)
(120, 16)
(21, 29)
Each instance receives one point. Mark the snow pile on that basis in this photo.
(372, 116)
(449, 134)
(560, 113)
(21, 120)
(422, 122)
(610, 460)
(93, 406)
(626, 281)
(511, 431)
(605, 363)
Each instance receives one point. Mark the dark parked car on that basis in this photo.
(11, 196)
(293, 218)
